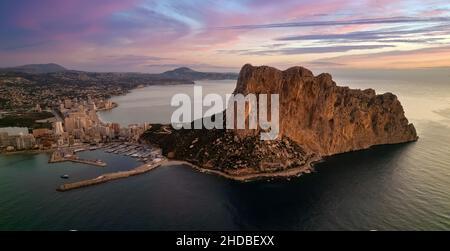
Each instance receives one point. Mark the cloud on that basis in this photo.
(120, 62)
(424, 57)
(324, 63)
(135, 58)
(389, 20)
(130, 34)
(24, 46)
(83, 24)
(398, 34)
(309, 50)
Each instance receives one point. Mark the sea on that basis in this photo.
(393, 187)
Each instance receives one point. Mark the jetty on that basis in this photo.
(58, 156)
(86, 161)
(111, 176)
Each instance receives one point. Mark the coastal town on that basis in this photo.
(50, 109)
(76, 127)
(75, 124)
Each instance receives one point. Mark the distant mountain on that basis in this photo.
(189, 74)
(182, 73)
(35, 68)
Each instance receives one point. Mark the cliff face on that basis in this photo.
(325, 118)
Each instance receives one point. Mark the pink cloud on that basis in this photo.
(35, 12)
(182, 29)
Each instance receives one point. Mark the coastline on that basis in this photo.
(27, 152)
(114, 105)
(147, 167)
(288, 173)
(308, 167)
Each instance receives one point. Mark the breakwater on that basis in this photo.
(110, 176)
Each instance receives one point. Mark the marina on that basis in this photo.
(152, 158)
(139, 151)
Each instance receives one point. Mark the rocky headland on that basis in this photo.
(317, 119)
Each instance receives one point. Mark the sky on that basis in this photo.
(223, 35)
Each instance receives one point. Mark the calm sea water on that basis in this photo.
(397, 187)
(153, 103)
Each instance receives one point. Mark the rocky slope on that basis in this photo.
(325, 118)
(224, 151)
(317, 119)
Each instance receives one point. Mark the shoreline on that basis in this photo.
(288, 173)
(147, 167)
(292, 172)
(114, 105)
(307, 168)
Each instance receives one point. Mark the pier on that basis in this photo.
(58, 156)
(88, 162)
(110, 176)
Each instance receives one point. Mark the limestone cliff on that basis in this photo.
(325, 118)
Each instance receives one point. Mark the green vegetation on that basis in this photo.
(26, 119)
(5, 104)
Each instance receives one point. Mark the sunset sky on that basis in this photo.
(156, 35)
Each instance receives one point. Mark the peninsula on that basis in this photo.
(318, 118)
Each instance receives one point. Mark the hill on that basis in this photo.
(187, 73)
(35, 68)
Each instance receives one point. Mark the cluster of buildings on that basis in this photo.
(78, 124)
(12, 139)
